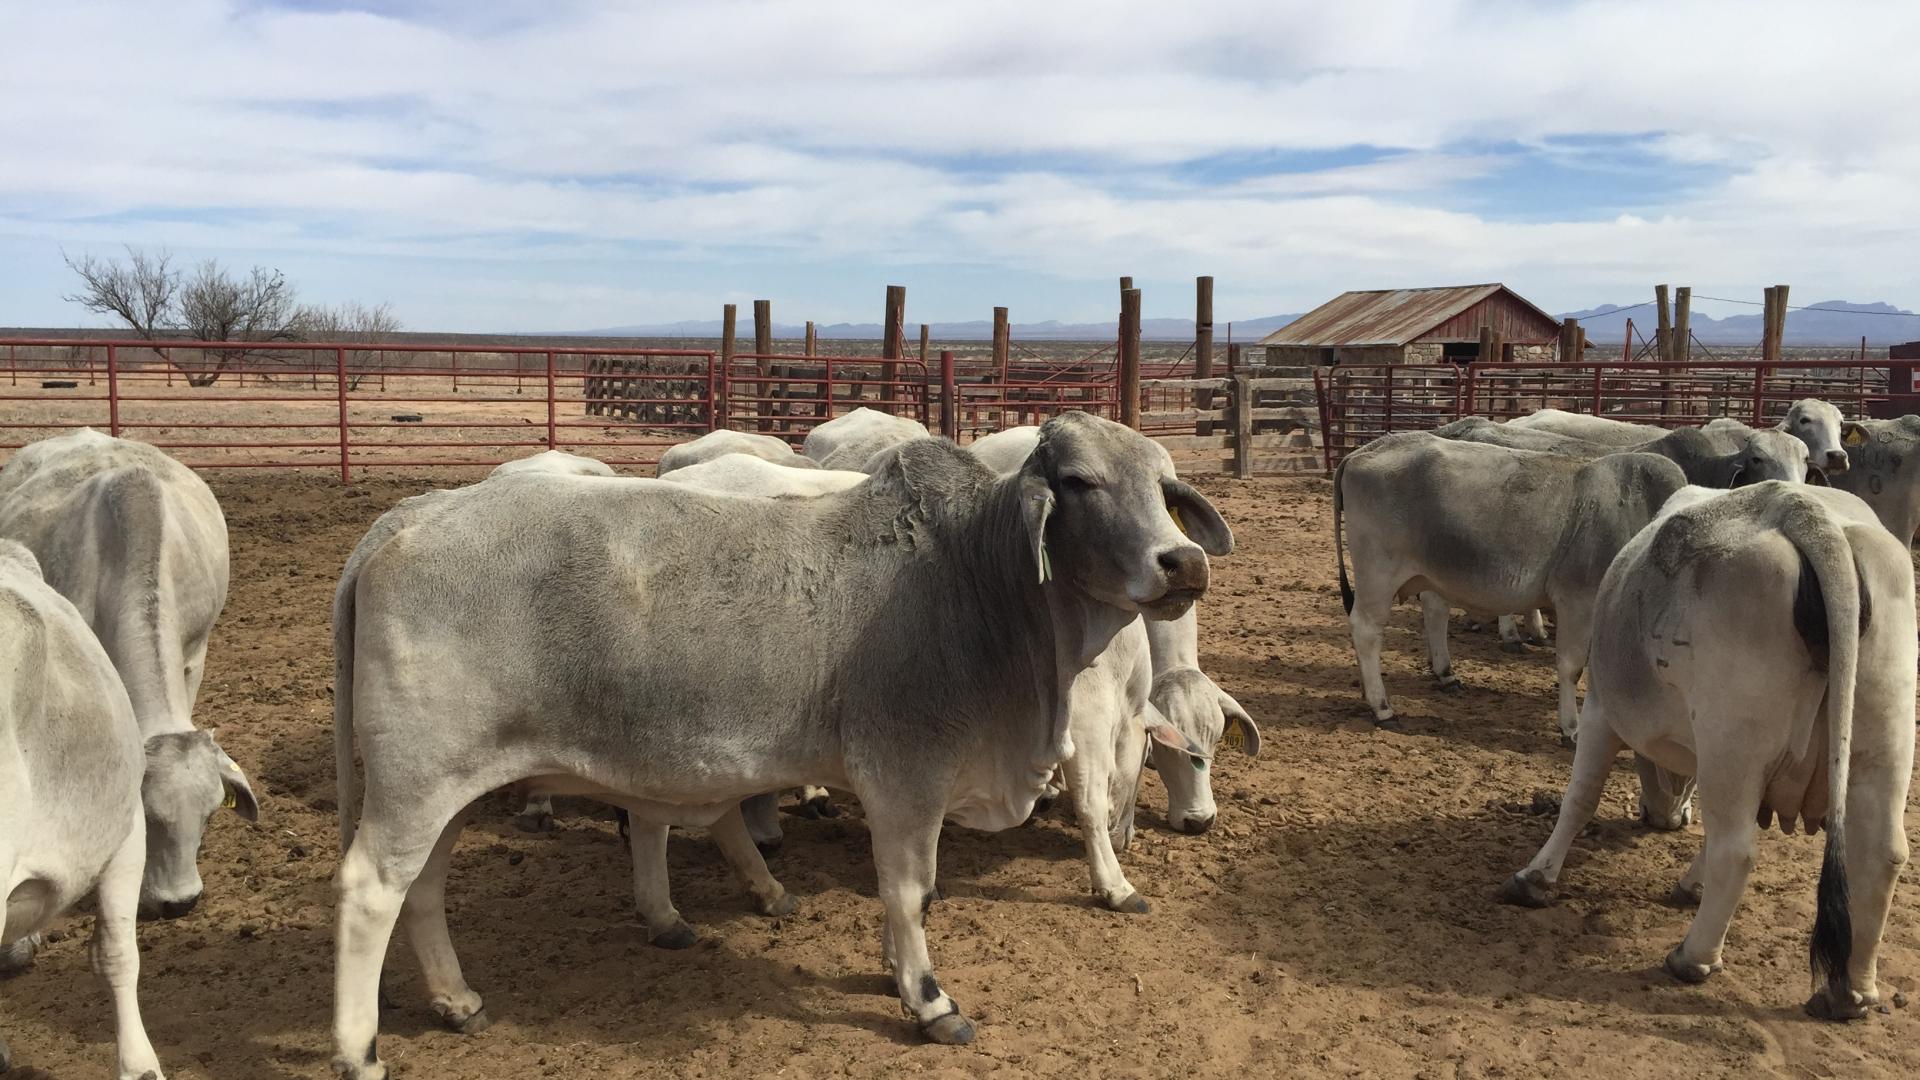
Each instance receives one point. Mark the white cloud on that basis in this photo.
(1068, 139)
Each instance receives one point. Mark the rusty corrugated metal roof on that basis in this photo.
(1383, 316)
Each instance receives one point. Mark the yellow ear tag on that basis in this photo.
(229, 800)
(1234, 737)
(1855, 437)
(1178, 521)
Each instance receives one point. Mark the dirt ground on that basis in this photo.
(1338, 921)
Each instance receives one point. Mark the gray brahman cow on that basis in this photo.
(1597, 429)
(716, 444)
(71, 821)
(1189, 700)
(1719, 459)
(1814, 422)
(556, 462)
(918, 640)
(852, 440)
(1885, 472)
(1488, 528)
(137, 542)
(1762, 642)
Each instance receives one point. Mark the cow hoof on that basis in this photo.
(1391, 723)
(534, 823)
(820, 806)
(1822, 1006)
(18, 957)
(1513, 646)
(353, 1070)
(769, 847)
(1528, 888)
(1691, 974)
(677, 936)
(1451, 685)
(463, 1021)
(1044, 804)
(1568, 740)
(782, 905)
(950, 1030)
(1130, 904)
(1685, 895)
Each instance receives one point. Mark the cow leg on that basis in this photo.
(1368, 621)
(424, 915)
(17, 956)
(1876, 850)
(375, 875)
(817, 802)
(116, 955)
(1687, 892)
(1569, 660)
(538, 815)
(1089, 778)
(906, 841)
(1436, 614)
(736, 845)
(1728, 814)
(1510, 635)
(1536, 628)
(652, 890)
(1592, 760)
(762, 816)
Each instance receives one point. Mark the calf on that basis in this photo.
(1761, 640)
(1490, 529)
(1879, 452)
(137, 542)
(852, 440)
(1814, 422)
(919, 639)
(70, 766)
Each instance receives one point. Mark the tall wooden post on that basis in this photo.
(763, 328)
(1002, 344)
(1779, 321)
(1768, 344)
(1663, 342)
(763, 348)
(891, 340)
(1130, 358)
(813, 340)
(1570, 341)
(1233, 360)
(925, 334)
(1203, 348)
(1241, 426)
(1683, 323)
(1489, 346)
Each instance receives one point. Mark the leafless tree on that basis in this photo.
(139, 292)
(217, 306)
(352, 323)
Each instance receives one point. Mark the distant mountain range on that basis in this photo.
(1829, 322)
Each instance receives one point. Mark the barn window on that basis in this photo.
(1460, 352)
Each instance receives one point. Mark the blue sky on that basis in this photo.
(530, 166)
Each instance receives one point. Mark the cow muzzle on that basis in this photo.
(1837, 461)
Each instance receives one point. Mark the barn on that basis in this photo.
(1414, 326)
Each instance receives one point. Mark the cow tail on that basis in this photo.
(1825, 551)
(346, 781)
(1339, 552)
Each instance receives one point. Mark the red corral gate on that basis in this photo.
(1359, 403)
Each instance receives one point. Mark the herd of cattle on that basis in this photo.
(946, 634)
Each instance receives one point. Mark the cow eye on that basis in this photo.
(1076, 483)
(1803, 421)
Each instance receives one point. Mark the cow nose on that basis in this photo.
(173, 909)
(1186, 567)
(1194, 826)
(1837, 461)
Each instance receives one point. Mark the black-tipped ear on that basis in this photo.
(1817, 476)
(1197, 518)
(1738, 477)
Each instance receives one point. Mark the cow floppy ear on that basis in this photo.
(239, 794)
(1853, 433)
(1817, 476)
(1167, 735)
(1197, 518)
(1036, 505)
(1738, 477)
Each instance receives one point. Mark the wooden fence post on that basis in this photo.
(1130, 358)
(926, 333)
(892, 327)
(949, 398)
(1487, 353)
(813, 340)
(1242, 426)
(1002, 344)
(1663, 337)
(762, 348)
(1766, 325)
(1570, 341)
(1683, 323)
(1779, 321)
(1203, 349)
